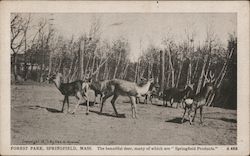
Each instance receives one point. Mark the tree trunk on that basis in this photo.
(93, 64)
(125, 71)
(189, 72)
(71, 67)
(162, 72)
(15, 66)
(224, 70)
(135, 78)
(207, 71)
(220, 78)
(179, 74)
(171, 68)
(98, 70)
(210, 99)
(117, 65)
(202, 75)
(195, 70)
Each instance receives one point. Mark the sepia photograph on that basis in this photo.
(123, 78)
(98, 78)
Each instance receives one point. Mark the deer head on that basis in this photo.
(211, 78)
(54, 77)
(143, 80)
(209, 85)
(50, 77)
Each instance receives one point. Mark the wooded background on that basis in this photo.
(173, 65)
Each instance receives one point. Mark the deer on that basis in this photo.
(119, 87)
(197, 101)
(176, 95)
(153, 92)
(99, 87)
(77, 88)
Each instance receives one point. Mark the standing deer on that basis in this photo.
(125, 88)
(176, 95)
(199, 100)
(99, 88)
(77, 88)
(153, 92)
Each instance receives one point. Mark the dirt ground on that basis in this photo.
(35, 119)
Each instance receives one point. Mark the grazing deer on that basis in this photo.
(77, 88)
(153, 92)
(125, 88)
(199, 100)
(99, 88)
(176, 95)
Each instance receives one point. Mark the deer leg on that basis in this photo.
(80, 100)
(133, 106)
(183, 103)
(101, 96)
(137, 99)
(177, 104)
(171, 102)
(194, 115)
(190, 116)
(67, 104)
(64, 100)
(201, 115)
(182, 120)
(87, 100)
(104, 99)
(95, 98)
(113, 103)
(146, 99)
(151, 97)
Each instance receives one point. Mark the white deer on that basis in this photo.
(125, 88)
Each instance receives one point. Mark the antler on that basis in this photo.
(211, 78)
(206, 79)
(211, 75)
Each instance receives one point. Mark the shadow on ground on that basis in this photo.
(224, 119)
(52, 110)
(176, 120)
(91, 104)
(110, 115)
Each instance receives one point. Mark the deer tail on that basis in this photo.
(189, 101)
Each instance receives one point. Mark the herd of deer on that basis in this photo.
(134, 91)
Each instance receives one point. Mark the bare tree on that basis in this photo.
(19, 26)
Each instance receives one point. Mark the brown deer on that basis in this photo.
(77, 88)
(176, 95)
(99, 87)
(152, 92)
(193, 103)
(119, 87)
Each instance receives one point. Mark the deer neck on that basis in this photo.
(143, 89)
(57, 82)
(186, 91)
(206, 92)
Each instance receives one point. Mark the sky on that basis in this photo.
(143, 29)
